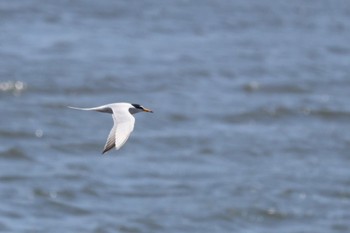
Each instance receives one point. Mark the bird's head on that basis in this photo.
(138, 108)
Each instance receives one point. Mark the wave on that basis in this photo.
(14, 154)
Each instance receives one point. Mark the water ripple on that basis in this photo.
(70, 209)
(15, 153)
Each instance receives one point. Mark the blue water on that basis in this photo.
(251, 130)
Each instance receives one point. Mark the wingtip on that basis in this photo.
(104, 151)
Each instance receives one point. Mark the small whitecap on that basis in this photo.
(271, 211)
(252, 86)
(19, 86)
(39, 133)
(6, 86)
(13, 86)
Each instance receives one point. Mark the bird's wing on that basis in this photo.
(111, 138)
(124, 125)
(104, 108)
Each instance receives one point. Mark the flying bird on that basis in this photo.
(123, 119)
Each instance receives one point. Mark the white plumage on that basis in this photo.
(123, 122)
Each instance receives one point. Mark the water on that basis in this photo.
(250, 131)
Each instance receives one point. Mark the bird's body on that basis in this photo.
(123, 119)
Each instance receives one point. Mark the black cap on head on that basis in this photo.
(137, 106)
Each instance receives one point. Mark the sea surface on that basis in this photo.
(250, 131)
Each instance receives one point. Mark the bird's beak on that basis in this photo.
(147, 110)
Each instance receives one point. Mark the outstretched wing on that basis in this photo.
(121, 130)
(125, 125)
(111, 138)
(104, 108)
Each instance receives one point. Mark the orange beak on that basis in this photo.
(147, 110)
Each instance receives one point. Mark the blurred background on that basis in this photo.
(250, 131)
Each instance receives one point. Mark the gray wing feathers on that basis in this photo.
(104, 108)
(110, 140)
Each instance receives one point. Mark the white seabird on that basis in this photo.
(123, 119)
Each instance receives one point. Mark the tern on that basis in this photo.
(123, 119)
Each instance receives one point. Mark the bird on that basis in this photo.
(123, 121)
